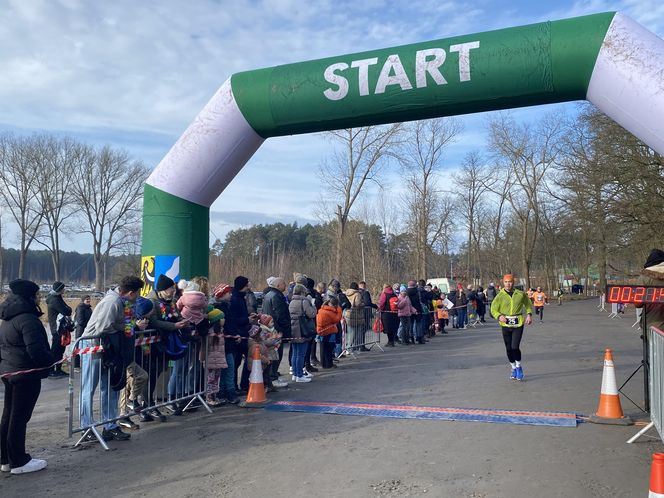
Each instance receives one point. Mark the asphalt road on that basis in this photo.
(237, 452)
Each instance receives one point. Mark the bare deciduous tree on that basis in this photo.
(363, 154)
(108, 190)
(58, 160)
(20, 178)
(472, 184)
(422, 156)
(528, 152)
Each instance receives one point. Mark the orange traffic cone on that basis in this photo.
(609, 410)
(256, 396)
(657, 476)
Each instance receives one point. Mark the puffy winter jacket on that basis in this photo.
(55, 305)
(193, 306)
(23, 340)
(327, 319)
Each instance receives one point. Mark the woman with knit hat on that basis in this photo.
(508, 308)
(222, 293)
(166, 320)
(23, 346)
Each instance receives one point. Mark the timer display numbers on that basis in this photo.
(634, 294)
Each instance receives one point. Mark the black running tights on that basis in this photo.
(512, 338)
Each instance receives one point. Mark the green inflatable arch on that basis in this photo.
(606, 58)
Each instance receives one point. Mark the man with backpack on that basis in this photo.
(56, 306)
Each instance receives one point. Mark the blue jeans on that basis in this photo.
(92, 372)
(227, 381)
(461, 317)
(181, 382)
(299, 348)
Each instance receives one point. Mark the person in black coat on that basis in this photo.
(55, 305)
(276, 305)
(81, 319)
(237, 323)
(23, 346)
(417, 334)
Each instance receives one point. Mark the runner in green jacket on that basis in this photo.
(508, 308)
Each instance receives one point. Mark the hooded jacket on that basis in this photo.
(356, 301)
(275, 305)
(192, 305)
(82, 317)
(327, 319)
(55, 305)
(23, 340)
(300, 306)
(414, 296)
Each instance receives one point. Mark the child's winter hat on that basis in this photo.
(221, 289)
(142, 307)
(215, 315)
(192, 287)
(402, 288)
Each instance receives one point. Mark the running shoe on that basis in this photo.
(519, 373)
(32, 466)
(513, 374)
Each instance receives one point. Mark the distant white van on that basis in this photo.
(444, 284)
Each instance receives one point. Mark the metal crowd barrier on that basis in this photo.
(655, 383)
(155, 379)
(358, 332)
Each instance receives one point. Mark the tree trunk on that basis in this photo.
(341, 232)
(99, 274)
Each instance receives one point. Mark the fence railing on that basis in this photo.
(655, 346)
(358, 330)
(163, 373)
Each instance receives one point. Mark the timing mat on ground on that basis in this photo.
(429, 412)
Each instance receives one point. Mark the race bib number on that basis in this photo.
(511, 320)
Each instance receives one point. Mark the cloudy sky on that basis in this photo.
(135, 74)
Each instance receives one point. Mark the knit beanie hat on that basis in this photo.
(215, 315)
(301, 279)
(164, 282)
(402, 288)
(58, 286)
(142, 307)
(299, 290)
(221, 289)
(182, 283)
(24, 288)
(240, 282)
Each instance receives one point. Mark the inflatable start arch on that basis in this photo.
(607, 59)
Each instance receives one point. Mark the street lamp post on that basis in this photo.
(364, 273)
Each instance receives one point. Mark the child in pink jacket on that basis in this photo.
(193, 306)
(404, 310)
(214, 359)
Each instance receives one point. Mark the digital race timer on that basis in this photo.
(634, 294)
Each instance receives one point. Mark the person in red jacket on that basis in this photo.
(327, 319)
(387, 304)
